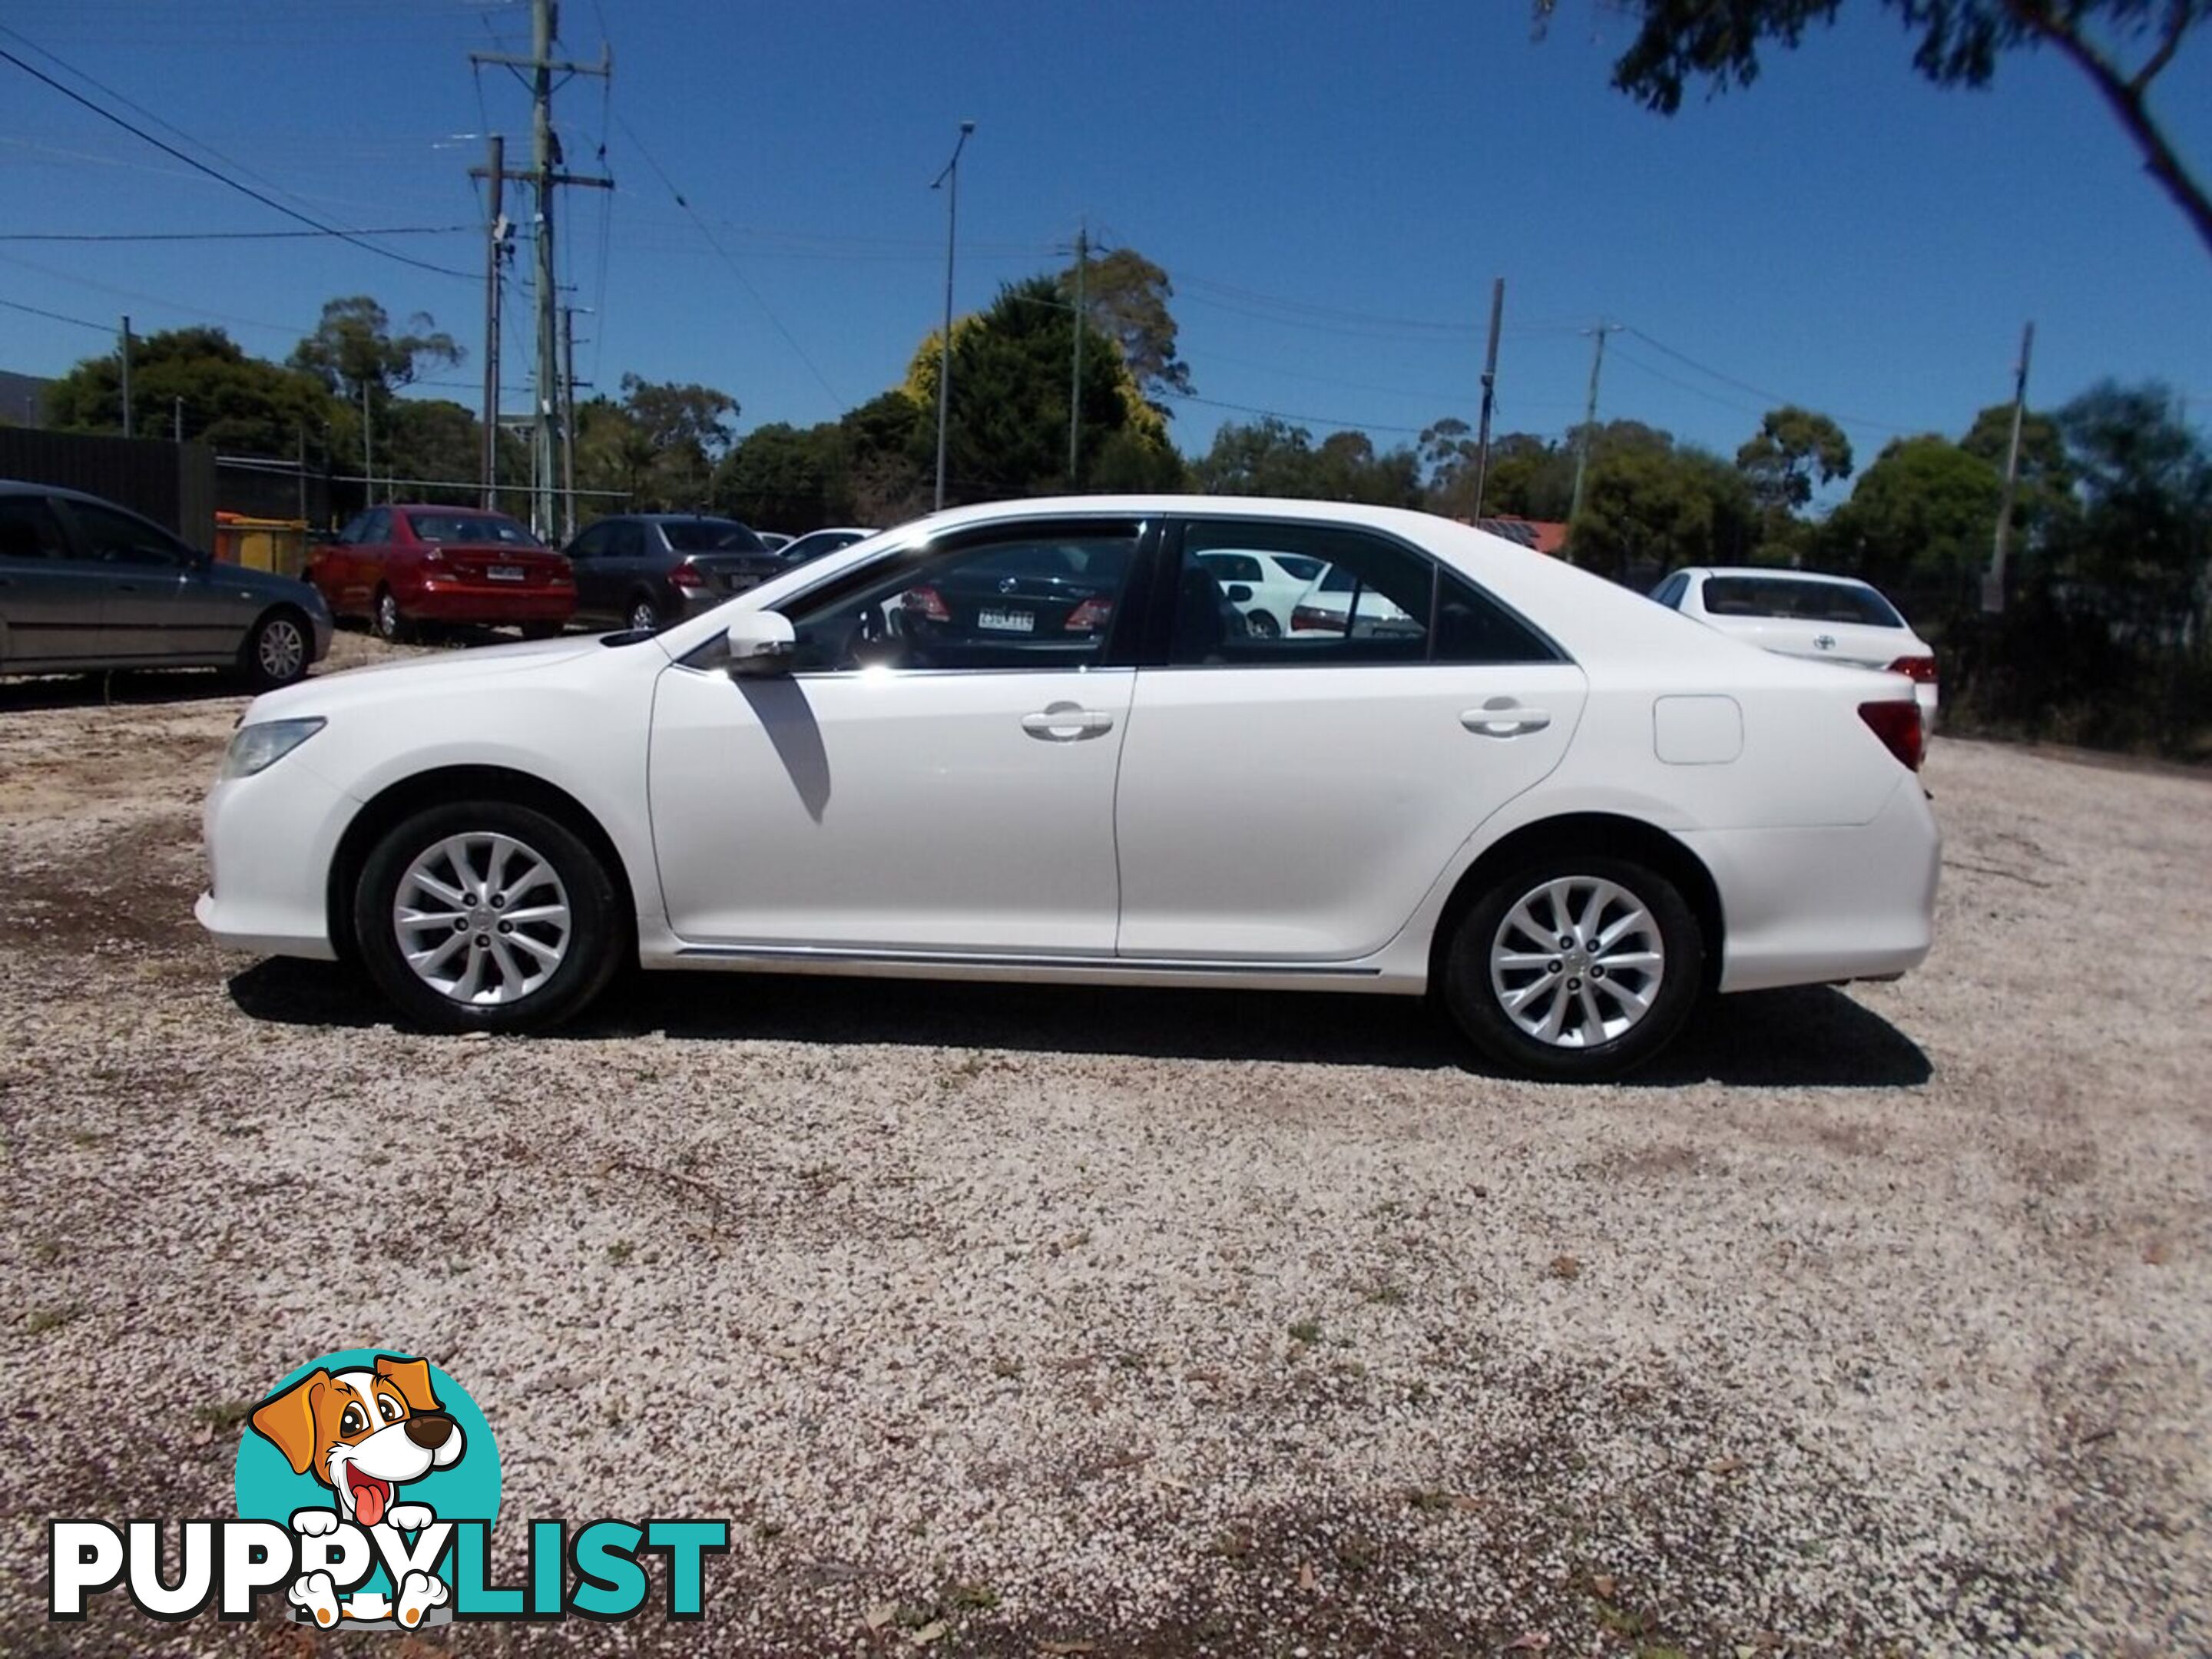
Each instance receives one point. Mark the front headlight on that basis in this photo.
(256, 748)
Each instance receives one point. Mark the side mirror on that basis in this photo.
(1238, 593)
(761, 643)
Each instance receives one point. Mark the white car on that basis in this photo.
(1803, 613)
(1272, 584)
(1339, 592)
(1570, 812)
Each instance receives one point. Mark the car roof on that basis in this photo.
(440, 507)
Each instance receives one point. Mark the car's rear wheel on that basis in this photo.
(644, 615)
(542, 630)
(276, 652)
(389, 621)
(486, 915)
(1574, 968)
(1262, 625)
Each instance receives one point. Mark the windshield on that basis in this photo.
(471, 527)
(710, 536)
(1798, 600)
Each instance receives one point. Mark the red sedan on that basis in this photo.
(402, 565)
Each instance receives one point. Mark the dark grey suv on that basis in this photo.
(648, 569)
(85, 584)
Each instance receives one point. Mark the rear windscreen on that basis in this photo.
(705, 536)
(1802, 601)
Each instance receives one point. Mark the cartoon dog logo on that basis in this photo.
(364, 1434)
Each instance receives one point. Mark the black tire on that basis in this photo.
(1472, 996)
(592, 949)
(386, 621)
(1262, 625)
(642, 615)
(278, 650)
(544, 630)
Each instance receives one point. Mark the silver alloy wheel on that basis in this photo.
(1262, 625)
(644, 616)
(1577, 962)
(387, 617)
(482, 918)
(281, 649)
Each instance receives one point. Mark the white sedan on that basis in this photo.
(1804, 613)
(1569, 813)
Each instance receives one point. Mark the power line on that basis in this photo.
(220, 177)
(1303, 420)
(659, 172)
(1772, 398)
(57, 317)
(222, 235)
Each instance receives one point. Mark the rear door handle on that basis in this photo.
(1504, 718)
(1068, 722)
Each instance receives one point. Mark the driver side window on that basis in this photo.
(1041, 598)
(118, 538)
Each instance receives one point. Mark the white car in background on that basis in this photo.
(1273, 582)
(1339, 592)
(1568, 812)
(1804, 613)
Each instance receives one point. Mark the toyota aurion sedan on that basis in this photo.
(1806, 613)
(1035, 741)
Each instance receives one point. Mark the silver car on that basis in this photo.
(85, 584)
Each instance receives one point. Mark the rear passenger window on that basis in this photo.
(1369, 601)
(30, 531)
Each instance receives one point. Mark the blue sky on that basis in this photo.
(1332, 188)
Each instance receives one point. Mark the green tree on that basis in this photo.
(233, 402)
(1006, 434)
(1793, 449)
(2043, 499)
(1647, 506)
(1124, 296)
(354, 347)
(1271, 457)
(2143, 537)
(1921, 518)
(779, 477)
(2121, 45)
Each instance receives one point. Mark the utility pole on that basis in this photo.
(126, 377)
(1993, 582)
(300, 434)
(1075, 386)
(368, 453)
(545, 175)
(177, 419)
(945, 352)
(568, 424)
(1590, 425)
(495, 250)
(1489, 395)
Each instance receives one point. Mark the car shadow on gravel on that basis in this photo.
(1810, 1036)
(133, 687)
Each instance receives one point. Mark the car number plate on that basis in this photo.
(506, 572)
(1008, 622)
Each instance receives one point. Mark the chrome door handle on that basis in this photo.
(1503, 719)
(1068, 722)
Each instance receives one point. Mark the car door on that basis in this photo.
(586, 559)
(159, 605)
(52, 596)
(916, 784)
(1294, 799)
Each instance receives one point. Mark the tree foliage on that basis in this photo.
(2121, 46)
(231, 401)
(1793, 450)
(1125, 297)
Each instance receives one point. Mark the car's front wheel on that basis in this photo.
(1574, 968)
(486, 915)
(277, 651)
(1262, 625)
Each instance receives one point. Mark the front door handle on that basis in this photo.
(1068, 722)
(1502, 717)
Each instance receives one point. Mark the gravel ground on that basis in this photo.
(1021, 1321)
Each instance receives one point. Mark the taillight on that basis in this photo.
(1921, 670)
(1307, 618)
(927, 604)
(1089, 617)
(684, 576)
(1896, 723)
